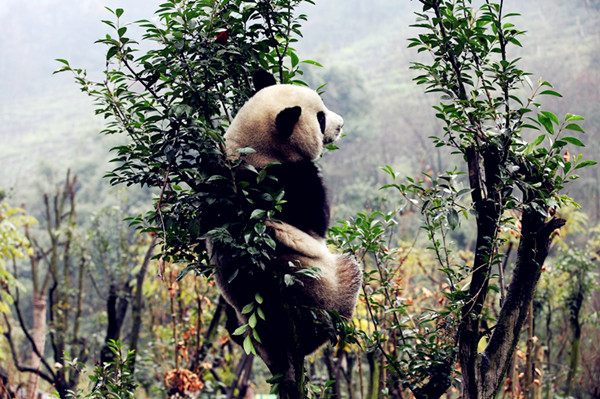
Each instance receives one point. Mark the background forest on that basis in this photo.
(108, 287)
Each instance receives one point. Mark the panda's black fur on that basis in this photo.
(306, 205)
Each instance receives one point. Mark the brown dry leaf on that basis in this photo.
(223, 340)
(183, 381)
(173, 289)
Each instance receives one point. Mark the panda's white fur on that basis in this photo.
(256, 125)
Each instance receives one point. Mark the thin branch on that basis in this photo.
(8, 334)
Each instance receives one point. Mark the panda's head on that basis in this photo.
(282, 123)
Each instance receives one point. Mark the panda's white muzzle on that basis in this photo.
(333, 127)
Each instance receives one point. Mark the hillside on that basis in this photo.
(47, 125)
(561, 45)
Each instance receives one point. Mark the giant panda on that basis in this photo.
(288, 125)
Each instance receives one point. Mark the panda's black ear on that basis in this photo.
(286, 120)
(262, 79)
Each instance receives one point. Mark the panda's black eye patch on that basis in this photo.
(321, 119)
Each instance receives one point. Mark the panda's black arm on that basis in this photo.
(306, 207)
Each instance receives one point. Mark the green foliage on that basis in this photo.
(13, 244)
(517, 165)
(417, 344)
(481, 107)
(173, 103)
(516, 158)
(108, 380)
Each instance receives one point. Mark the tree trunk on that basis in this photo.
(116, 307)
(374, 374)
(333, 369)
(529, 357)
(488, 209)
(137, 304)
(575, 304)
(534, 245)
(292, 382)
(39, 340)
(538, 365)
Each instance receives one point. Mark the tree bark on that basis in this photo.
(538, 365)
(575, 304)
(374, 374)
(116, 308)
(334, 371)
(487, 203)
(137, 304)
(39, 340)
(533, 250)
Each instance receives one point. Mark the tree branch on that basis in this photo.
(536, 237)
(28, 336)
(24, 369)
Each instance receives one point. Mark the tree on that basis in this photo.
(120, 258)
(515, 181)
(13, 244)
(516, 165)
(174, 102)
(57, 269)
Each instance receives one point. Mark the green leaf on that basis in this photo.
(112, 52)
(463, 192)
(315, 63)
(453, 219)
(551, 93)
(573, 141)
(571, 118)
(118, 12)
(258, 213)
(294, 59)
(240, 330)
(551, 116)
(575, 127)
(256, 337)
(546, 122)
(252, 320)
(538, 140)
(248, 308)
(248, 345)
(584, 164)
(245, 150)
